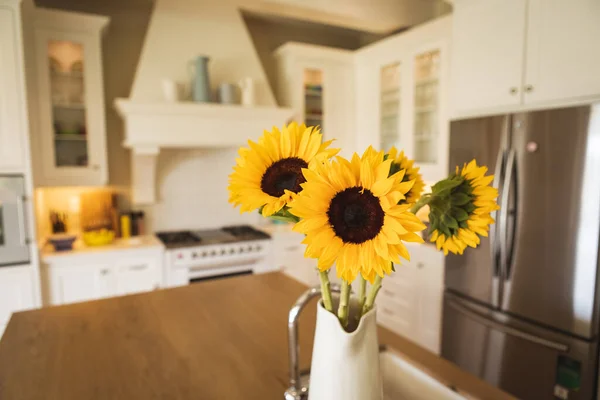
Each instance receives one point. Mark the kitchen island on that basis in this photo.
(222, 339)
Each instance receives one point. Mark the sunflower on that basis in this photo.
(351, 216)
(269, 172)
(462, 210)
(401, 162)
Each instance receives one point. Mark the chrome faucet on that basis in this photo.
(298, 389)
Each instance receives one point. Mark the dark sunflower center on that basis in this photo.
(355, 215)
(284, 174)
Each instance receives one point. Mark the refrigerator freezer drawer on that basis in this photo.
(528, 363)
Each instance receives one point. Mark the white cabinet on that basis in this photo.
(138, 275)
(402, 95)
(72, 284)
(562, 63)
(97, 275)
(12, 155)
(287, 255)
(16, 291)
(487, 54)
(317, 83)
(410, 300)
(70, 139)
(510, 55)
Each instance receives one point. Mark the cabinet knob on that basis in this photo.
(95, 167)
(420, 265)
(529, 88)
(104, 272)
(513, 90)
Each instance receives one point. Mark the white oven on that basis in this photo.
(199, 263)
(14, 243)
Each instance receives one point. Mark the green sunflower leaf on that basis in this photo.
(449, 222)
(445, 185)
(460, 199)
(469, 207)
(446, 231)
(460, 214)
(463, 224)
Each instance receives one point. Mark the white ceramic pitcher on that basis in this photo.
(345, 365)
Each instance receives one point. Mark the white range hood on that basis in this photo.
(178, 32)
(152, 126)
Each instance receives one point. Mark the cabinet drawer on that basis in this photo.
(137, 275)
(393, 321)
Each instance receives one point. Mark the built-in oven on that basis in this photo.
(14, 243)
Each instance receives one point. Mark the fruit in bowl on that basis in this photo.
(99, 237)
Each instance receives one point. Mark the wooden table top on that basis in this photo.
(223, 339)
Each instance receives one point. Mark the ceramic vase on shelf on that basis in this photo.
(201, 86)
(247, 88)
(345, 365)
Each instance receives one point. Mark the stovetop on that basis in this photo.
(230, 234)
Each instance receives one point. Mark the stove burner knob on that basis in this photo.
(204, 254)
(258, 248)
(213, 253)
(249, 248)
(223, 251)
(194, 255)
(241, 250)
(232, 251)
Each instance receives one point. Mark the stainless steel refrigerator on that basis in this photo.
(522, 310)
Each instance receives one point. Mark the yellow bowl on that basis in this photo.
(98, 238)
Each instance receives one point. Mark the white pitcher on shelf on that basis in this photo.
(247, 88)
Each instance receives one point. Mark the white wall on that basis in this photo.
(192, 191)
(180, 30)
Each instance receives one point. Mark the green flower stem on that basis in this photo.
(362, 292)
(344, 308)
(326, 291)
(372, 295)
(422, 202)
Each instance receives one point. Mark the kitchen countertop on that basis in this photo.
(222, 339)
(137, 242)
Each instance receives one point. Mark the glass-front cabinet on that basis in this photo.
(389, 109)
(430, 122)
(401, 96)
(317, 83)
(313, 96)
(71, 133)
(67, 96)
(426, 106)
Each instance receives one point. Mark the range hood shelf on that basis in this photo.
(152, 126)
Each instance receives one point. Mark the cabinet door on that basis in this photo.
(137, 275)
(430, 271)
(397, 302)
(563, 53)
(16, 291)
(71, 107)
(487, 55)
(430, 122)
(11, 98)
(80, 283)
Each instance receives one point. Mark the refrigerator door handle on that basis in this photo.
(498, 182)
(497, 326)
(506, 249)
